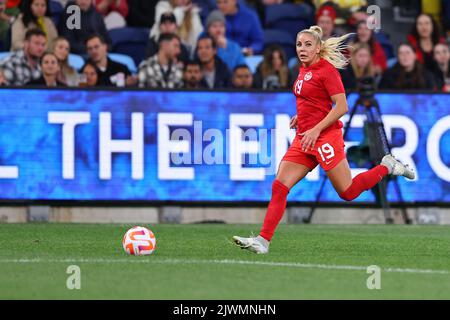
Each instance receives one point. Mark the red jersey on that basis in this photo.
(314, 87)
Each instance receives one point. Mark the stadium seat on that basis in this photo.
(253, 62)
(130, 41)
(281, 38)
(76, 61)
(292, 62)
(126, 60)
(56, 9)
(391, 62)
(288, 17)
(4, 55)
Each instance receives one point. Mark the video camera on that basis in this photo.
(366, 87)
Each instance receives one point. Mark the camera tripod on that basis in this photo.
(378, 147)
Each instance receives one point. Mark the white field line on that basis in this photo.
(226, 261)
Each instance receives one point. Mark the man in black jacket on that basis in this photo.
(141, 13)
(216, 74)
(111, 73)
(91, 22)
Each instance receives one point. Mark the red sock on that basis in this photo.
(275, 210)
(364, 181)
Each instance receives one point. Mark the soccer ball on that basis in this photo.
(139, 241)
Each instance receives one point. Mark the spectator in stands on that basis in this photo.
(325, 18)
(273, 71)
(167, 24)
(2, 78)
(442, 69)
(365, 35)
(350, 5)
(89, 75)
(187, 18)
(111, 73)
(424, 36)
(141, 13)
(91, 23)
(114, 12)
(23, 65)
(362, 15)
(242, 78)
(229, 51)
(295, 70)
(8, 14)
(215, 72)
(50, 69)
(192, 75)
(243, 26)
(346, 9)
(34, 14)
(408, 73)
(67, 74)
(361, 66)
(163, 70)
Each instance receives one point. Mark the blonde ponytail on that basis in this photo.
(331, 49)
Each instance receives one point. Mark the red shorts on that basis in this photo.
(328, 151)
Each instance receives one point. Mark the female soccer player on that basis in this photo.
(319, 138)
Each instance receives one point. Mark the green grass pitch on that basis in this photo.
(199, 262)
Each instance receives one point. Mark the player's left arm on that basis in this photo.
(341, 107)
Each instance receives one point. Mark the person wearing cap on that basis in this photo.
(227, 50)
(243, 26)
(325, 18)
(187, 17)
(167, 25)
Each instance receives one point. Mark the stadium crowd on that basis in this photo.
(215, 44)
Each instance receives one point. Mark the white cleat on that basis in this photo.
(396, 168)
(257, 244)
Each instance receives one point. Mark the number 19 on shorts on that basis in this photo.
(326, 151)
